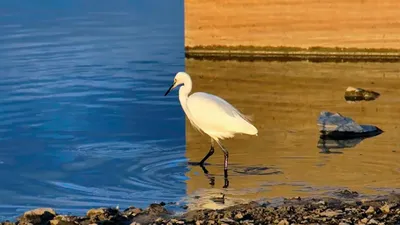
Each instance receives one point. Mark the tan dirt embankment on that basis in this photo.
(343, 23)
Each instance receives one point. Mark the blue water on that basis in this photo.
(83, 118)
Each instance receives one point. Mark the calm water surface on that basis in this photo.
(83, 119)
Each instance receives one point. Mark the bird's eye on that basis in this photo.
(175, 80)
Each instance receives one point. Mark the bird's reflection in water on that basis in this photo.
(253, 170)
(210, 177)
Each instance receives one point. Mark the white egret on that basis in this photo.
(212, 115)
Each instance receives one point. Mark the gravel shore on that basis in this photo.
(348, 210)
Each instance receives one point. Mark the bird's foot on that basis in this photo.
(226, 181)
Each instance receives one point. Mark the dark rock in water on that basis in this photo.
(336, 126)
(358, 94)
(37, 216)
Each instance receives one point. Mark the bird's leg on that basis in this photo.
(211, 178)
(226, 155)
(209, 153)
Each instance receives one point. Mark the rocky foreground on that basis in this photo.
(383, 210)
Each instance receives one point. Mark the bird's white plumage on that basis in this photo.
(209, 113)
(216, 117)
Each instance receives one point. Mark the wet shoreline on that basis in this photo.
(347, 208)
(282, 53)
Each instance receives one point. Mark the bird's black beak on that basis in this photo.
(169, 89)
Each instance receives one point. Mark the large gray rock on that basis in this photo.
(336, 125)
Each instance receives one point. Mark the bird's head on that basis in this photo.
(180, 78)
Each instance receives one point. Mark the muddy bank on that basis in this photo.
(345, 209)
(283, 53)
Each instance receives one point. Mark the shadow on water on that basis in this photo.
(326, 144)
(284, 98)
(83, 119)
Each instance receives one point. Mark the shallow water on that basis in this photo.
(284, 100)
(83, 119)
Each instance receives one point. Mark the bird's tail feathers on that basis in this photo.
(249, 118)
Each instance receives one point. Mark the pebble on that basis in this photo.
(370, 210)
(365, 220)
(40, 212)
(238, 216)
(372, 221)
(330, 213)
(385, 208)
(283, 222)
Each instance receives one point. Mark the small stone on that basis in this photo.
(227, 220)
(343, 223)
(132, 211)
(283, 222)
(54, 222)
(372, 221)
(211, 222)
(381, 223)
(156, 209)
(370, 210)
(95, 212)
(40, 211)
(385, 208)
(37, 216)
(365, 220)
(199, 222)
(330, 213)
(238, 216)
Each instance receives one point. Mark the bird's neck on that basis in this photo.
(185, 90)
(183, 96)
